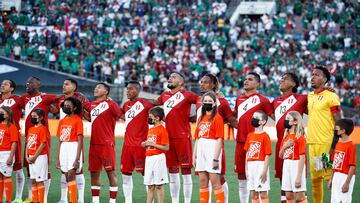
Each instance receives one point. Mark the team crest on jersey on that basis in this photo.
(2, 134)
(254, 150)
(31, 143)
(65, 132)
(204, 128)
(338, 160)
(289, 152)
(8, 102)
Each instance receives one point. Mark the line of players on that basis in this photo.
(104, 112)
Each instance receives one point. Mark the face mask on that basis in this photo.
(336, 134)
(207, 106)
(287, 124)
(66, 110)
(255, 122)
(150, 121)
(2, 118)
(34, 120)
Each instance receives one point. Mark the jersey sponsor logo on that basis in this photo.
(204, 128)
(135, 110)
(99, 109)
(254, 150)
(172, 102)
(289, 152)
(284, 107)
(8, 102)
(2, 134)
(31, 143)
(338, 160)
(248, 104)
(31, 104)
(65, 132)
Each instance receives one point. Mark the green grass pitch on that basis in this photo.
(139, 193)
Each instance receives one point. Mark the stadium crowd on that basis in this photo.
(146, 40)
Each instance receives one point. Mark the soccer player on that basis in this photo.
(31, 100)
(289, 101)
(344, 163)
(36, 154)
(9, 137)
(70, 87)
(208, 146)
(104, 112)
(208, 83)
(8, 99)
(323, 110)
(155, 163)
(133, 154)
(258, 148)
(293, 150)
(70, 133)
(246, 105)
(177, 103)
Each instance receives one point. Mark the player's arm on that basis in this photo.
(233, 122)
(53, 109)
(154, 102)
(337, 115)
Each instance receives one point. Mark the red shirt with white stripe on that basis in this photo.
(14, 102)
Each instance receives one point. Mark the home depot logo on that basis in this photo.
(254, 150)
(338, 160)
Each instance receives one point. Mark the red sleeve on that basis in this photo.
(196, 135)
(267, 145)
(86, 106)
(116, 110)
(160, 100)
(58, 129)
(302, 145)
(268, 107)
(335, 109)
(14, 133)
(193, 98)
(21, 102)
(236, 107)
(50, 98)
(352, 157)
(246, 146)
(226, 110)
(164, 137)
(219, 127)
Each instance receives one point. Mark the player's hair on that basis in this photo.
(214, 81)
(263, 115)
(74, 82)
(8, 110)
(299, 129)
(76, 103)
(179, 74)
(295, 79)
(257, 76)
(41, 114)
(12, 84)
(345, 124)
(134, 82)
(107, 87)
(213, 111)
(157, 111)
(325, 71)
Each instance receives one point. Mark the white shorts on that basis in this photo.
(289, 174)
(337, 183)
(254, 169)
(39, 169)
(6, 170)
(68, 155)
(155, 170)
(205, 151)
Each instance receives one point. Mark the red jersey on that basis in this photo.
(37, 136)
(103, 120)
(283, 105)
(8, 135)
(210, 129)
(299, 147)
(344, 156)
(257, 146)
(136, 118)
(29, 103)
(15, 103)
(177, 112)
(245, 107)
(223, 106)
(76, 95)
(157, 135)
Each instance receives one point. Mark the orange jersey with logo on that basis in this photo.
(299, 147)
(157, 135)
(344, 156)
(70, 128)
(8, 135)
(257, 146)
(36, 136)
(210, 129)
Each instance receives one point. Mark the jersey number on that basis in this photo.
(95, 112)
(131, 114)
(170, 104)
(282, 109)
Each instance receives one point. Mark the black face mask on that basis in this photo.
(255, 122)
(336, 134)
(34, 120)
(66, 110)
(287, 124)
(207, 107)
(2, 118)
(151, 121)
